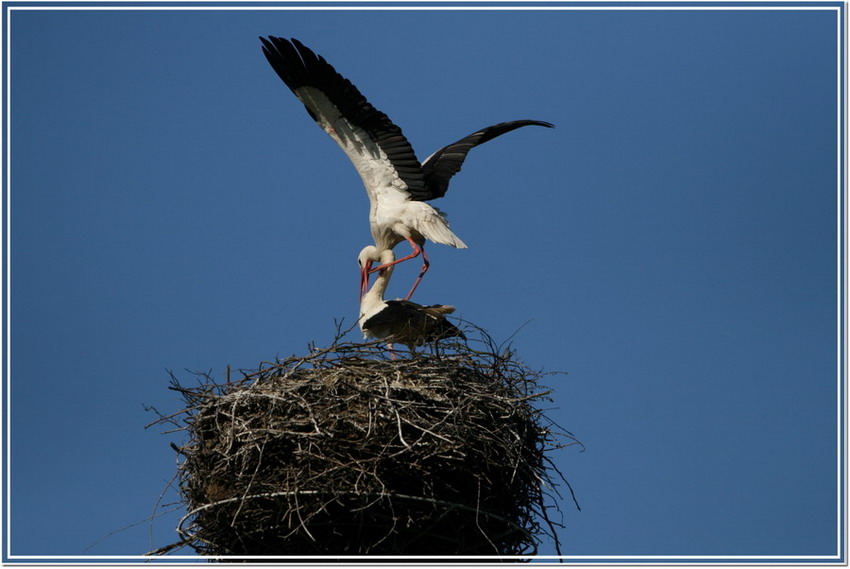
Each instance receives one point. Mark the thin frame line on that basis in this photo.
(839, 41)
(414, 8)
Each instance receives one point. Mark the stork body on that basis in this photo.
(397, 184)
(398, 321)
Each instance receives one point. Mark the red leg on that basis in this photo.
(416, 252)
(425, 266)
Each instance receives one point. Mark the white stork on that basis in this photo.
(399, 321)
(397, 184)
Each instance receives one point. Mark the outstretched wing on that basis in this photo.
(439, 168)
(375, 145)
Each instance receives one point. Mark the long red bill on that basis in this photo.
(364, 278)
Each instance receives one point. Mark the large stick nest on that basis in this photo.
(347, 452)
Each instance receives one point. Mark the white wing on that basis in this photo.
(376, 147)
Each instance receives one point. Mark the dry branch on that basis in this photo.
(346, 452)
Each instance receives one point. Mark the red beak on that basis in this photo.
(364, 278)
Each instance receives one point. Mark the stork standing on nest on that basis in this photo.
(399, 321)
(397, 184)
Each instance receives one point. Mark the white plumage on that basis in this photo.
(397, 321)
(397, 184)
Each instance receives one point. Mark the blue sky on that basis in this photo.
(671, 245)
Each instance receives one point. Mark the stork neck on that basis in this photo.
(374, 298)
(379, 287)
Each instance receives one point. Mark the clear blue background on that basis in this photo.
(671, 245)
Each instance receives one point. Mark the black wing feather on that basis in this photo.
(391, 314)
(413, 316)
(439, 168)
(298, 66)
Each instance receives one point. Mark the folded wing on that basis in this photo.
(410, 323)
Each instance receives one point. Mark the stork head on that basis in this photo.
(368, 255)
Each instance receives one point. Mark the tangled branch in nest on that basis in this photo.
(344, 452)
